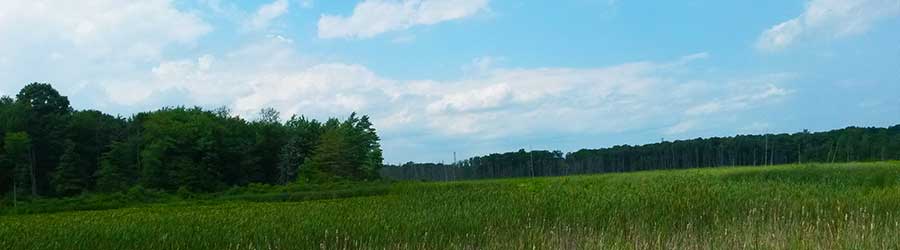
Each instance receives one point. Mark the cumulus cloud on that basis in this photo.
(828, 18)
(268, 12)
(85, 47)
(373, 17)
(321, 90)
(97, 29)
(497, 103)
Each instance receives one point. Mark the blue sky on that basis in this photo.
(475, 76)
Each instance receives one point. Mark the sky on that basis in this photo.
(475, 76)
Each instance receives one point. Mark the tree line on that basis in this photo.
(841, 145)
(48, 149)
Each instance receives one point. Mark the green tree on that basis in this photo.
(301, 139)
(346, 150)
(46, 116)
(118, 167)
(154, 173)
(10, 121)
(70, 177)
(365, 141)
(269, 139)
(93, 132)
(16, 146)
(330, 159)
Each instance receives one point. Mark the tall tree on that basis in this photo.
(302, 137)
(347, 150)
(331, 159)
(46, 116)
(269, 141)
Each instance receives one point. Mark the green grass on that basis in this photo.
(839, 206)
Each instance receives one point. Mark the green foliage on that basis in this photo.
(70, 177)
(828, 206)
(153, 172)
(94, 133)
(302, 137)
(16, 161)
(118, 167)
(135, 196)
(329, 160)
(45, 114)
(184, 192)
(347, 150)
(57, 151)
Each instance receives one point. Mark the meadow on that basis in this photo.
(811, 206)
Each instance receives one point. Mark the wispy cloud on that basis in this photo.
(373, 17)
(828, 19)
(266, 13)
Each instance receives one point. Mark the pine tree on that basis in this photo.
(329, 161)
(117, 168)
(69, 178)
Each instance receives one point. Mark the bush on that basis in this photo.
(184, 193)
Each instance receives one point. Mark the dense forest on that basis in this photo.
(50, 150)
(842, 145)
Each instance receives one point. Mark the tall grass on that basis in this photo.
(839, 206)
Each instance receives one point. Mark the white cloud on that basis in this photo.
(828, 18)
(268, 12)
(323, 89)
(97, 29)
(498, 102)
(751, 95)
(373, 17)
(681, 127)
(306, 3)
(515, 102)
(83, 47)
(482, 65)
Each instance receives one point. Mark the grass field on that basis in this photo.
(823, 206)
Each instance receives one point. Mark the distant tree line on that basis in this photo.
(50, 149)
(842, 145)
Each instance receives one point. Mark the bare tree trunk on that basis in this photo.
(15, 199)
(772, 156)
(766, 152)
(33, 177)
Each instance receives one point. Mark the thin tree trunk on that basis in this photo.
(33, 177)
(15, 199)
